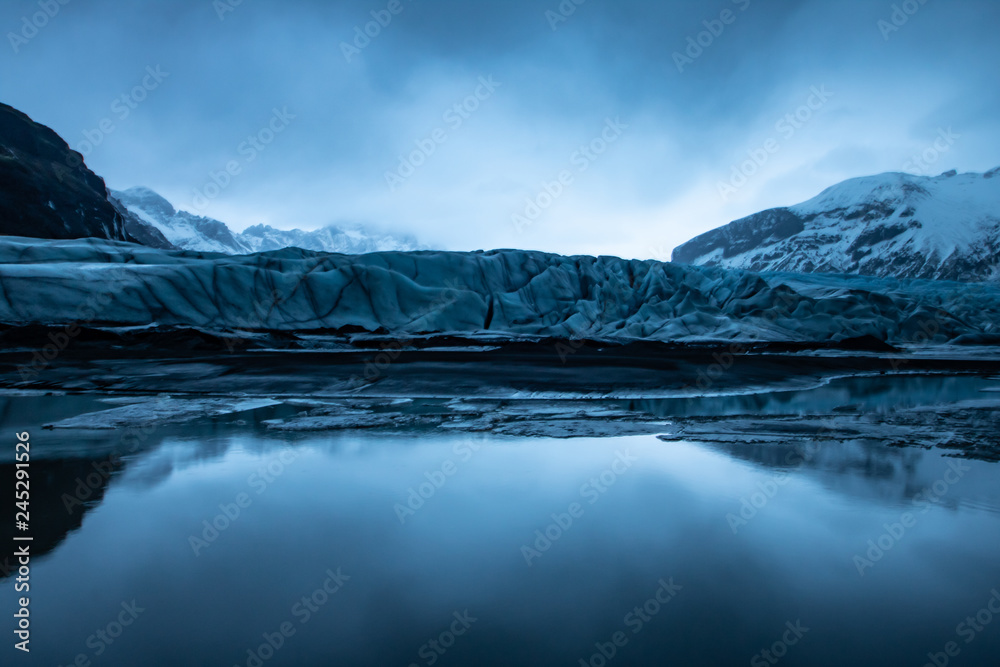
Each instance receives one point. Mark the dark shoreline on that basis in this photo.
(199, 363)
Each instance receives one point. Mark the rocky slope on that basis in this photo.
(46, 191)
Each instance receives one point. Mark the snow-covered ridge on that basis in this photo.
(187, 231)
(892, 225)
(182, 229)
(502, 293)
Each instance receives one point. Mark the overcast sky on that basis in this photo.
(664, 118)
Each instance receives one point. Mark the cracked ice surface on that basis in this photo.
(501, 293)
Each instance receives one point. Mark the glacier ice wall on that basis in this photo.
(501, 293)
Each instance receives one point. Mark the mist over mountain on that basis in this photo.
(188, 231)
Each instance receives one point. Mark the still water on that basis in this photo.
(227, 545)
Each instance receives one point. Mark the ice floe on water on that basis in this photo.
(161, 410)
(24, 393)
(948, 412)
(524, 418)
(970, 428)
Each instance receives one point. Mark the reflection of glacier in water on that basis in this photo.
(404, 528)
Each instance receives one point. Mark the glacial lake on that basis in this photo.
(226, 544)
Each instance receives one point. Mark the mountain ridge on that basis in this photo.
(898, 225)
(187, 231)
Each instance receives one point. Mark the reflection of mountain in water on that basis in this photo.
(865, 470)
(879, 395)
(72, 471)
(860, 437)
(62, 492)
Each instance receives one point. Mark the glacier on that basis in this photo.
(500, 294)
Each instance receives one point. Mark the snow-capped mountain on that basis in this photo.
(182, 229)
(892, 225)
(191, 232)
(348, 240)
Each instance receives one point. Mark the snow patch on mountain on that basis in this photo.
(190, 232)
(348, 240)
(182, 229)
(892, 225)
